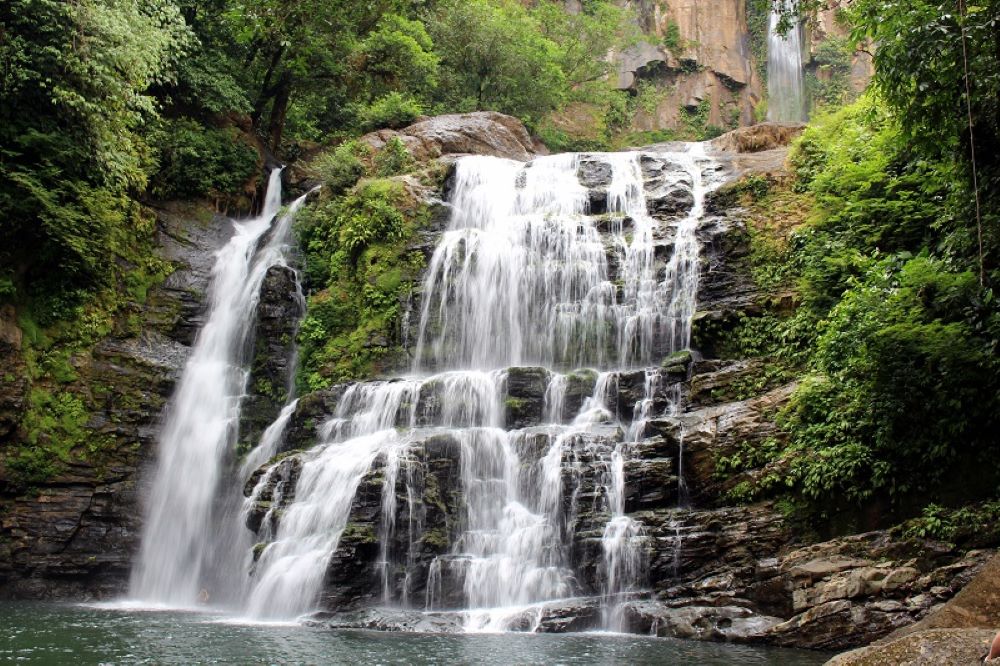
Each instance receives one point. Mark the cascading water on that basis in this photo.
(785, 74)
(532, 270)
(178, 544)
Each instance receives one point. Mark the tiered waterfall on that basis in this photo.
(499, 476)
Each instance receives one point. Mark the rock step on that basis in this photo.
(519, 393)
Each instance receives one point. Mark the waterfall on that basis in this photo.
(200, 424)
(521, 276)
(785, 78)
(586, 284)
(525, 274)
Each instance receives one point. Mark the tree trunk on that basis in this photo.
(266, 91)
(279, 110)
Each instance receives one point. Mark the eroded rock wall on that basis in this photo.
(697, 55)
(706, 61)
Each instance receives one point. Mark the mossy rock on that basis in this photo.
(358, 533)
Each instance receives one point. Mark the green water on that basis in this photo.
(63, 634)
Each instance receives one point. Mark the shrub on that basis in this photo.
(341, 168)
(393, 159)
(195, 161)
(392, 111)
(360, 267)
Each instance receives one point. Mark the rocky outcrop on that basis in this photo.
(478, 133)
(976, 606)
(703, 60)
(932, 647)
(279, 312)
(828, 25)
(709, 569)
(186, 236)
(759, 137)
(726, 290)
(694, 54)
(554, 618)
(842, 600)
(525, 396)
(957, 632)
(668, 188)
(734, 624)
(73, 535)
(713, 432)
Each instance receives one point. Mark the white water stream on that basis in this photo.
(785, 75)
(200, 424)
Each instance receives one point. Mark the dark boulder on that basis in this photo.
(525, 402)
(279, 311)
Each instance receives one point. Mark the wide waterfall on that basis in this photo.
(494, 480)
(183, 513)
(573, 274)
(785, 77)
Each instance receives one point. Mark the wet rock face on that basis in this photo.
(428, 497)
(423, 562)
(650, 475)
(312, 410)
(726, 290)
(595, 175)
(668, 187)
(278, 315)
(177, 308)
(525, 396)
(719, 430)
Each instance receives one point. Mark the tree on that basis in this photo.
(926, 52)
(494, 56)
(398, 56)
(585, 39)
(74, 95)
(937, 64)
(305, 48)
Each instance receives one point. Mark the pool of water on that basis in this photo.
(32, 633)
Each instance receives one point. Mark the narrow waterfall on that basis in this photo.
(568, 278)
(785, 74)
(183, 511)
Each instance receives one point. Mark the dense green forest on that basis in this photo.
(107, 105)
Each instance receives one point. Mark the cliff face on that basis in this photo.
(712, 570)
(705, 62)
(696, 54)
(72, 534)
(826, 29)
